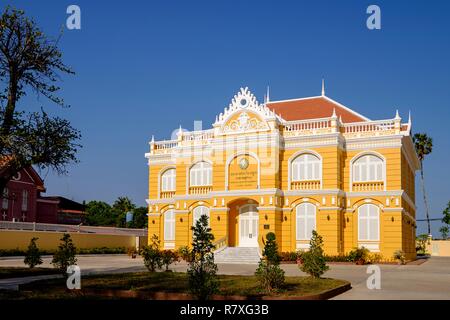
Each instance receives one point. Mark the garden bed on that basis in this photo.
(174, 285)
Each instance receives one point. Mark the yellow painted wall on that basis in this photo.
(13, 239)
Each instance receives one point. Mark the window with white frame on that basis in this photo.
(198, 212)
(168, 180)
(368, 222)
(201, 174)
(169, 225)
(306, 167)
(24, 200)
(5, 199)
(305, 221)
(368, 168)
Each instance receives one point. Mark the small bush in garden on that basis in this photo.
(399, 255)
(338, 258)
(168, 257)
(269, 273)
(375, 258)
(202, 269)
(152, 254)
(185, 253)
(65, 254)
(359, 255)
(32, 255)
(314, 262)
(290, 256)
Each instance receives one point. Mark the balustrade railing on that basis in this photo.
(368, 186)
(305, 185)
(167, 194)
(200, 189)
(311, 126)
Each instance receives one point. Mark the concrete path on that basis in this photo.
(430, 280)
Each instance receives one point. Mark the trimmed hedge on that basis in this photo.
(102, 250)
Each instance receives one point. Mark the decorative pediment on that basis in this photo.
(244, 114)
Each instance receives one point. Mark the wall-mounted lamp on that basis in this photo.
(265, 217)
(218, 218)
(153, 221)
(328, 217)
(348, 220)
(285, 218)
(392, 219)
(181, 219)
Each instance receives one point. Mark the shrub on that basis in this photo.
(32, 255)
(375, 258)
(314, 262)
(421, 244)
(185, 253)
(359, 255)
(152, 254)
(168, 257)
(337, 258)
(269, 273)
(202, 269)
(399, 255)
(65, 254)
(290, 256)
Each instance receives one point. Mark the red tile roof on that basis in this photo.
(313, 108)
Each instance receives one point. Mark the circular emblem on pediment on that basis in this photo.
(243, 163)
(243, 102)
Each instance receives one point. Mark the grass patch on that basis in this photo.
(168, 282)
(17, 272)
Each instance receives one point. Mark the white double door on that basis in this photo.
(248, 226)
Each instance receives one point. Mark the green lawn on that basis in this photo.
(13, 272)
(167, 282)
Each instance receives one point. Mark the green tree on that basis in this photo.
(202, 269)
(314, 262)
(269, 273)
(120, 207)
(152, 254)
(31, 62)
(65, 254)
(446, 213)
(32, 255)
(444, 230)
(424, 146)
(140, 219)
(100, 213)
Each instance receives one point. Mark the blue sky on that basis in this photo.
(145, 67)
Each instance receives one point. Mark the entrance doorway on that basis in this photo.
(248, 226)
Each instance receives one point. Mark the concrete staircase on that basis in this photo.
(237, 255)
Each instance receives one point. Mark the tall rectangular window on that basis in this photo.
(5, 199)
(24, 200)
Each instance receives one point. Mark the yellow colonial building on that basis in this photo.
(287, 167)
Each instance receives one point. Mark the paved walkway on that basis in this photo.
(430, 280)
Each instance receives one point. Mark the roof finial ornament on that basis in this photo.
(268, 95)
(153, 139)
(180, 130)
(323, 87)
(397, 116)
(340, 119)
(334, 113)
(409, 117)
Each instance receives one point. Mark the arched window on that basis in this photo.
(306, 167)
(169, 225)
(369, 222)
(305, 221)
(198, 212)
(168, 180)
(201, 174)
(368, 168)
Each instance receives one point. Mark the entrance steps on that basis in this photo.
(237, 255)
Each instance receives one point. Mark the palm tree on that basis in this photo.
(424, 146)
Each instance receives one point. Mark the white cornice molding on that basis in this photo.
(159, 201)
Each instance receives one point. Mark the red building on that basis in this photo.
(22, 201)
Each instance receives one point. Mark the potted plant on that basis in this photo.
(132, 252)
(399, 255)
